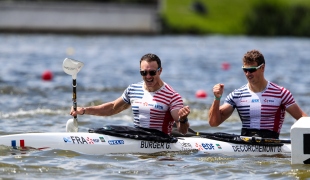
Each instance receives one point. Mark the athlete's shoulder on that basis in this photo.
(274, 85)
(169, 88)
(136, 85)
(277, 87)
(241, 89)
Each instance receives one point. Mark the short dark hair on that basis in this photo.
(253, 56)
(151, 57)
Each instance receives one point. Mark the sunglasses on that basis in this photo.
(151, 72)
(251, 69)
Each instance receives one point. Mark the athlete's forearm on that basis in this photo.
(215, 114)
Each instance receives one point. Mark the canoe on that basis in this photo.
(99, 144)
(94, 143)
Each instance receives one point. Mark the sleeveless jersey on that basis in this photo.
(264, 110)
(152, 109)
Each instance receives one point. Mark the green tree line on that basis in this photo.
(237, 17)
(270, 19)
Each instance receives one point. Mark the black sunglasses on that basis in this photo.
(151, 72)
(251, 69)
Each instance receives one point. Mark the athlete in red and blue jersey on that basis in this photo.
(264, 110)
(261, 104)
(153, 109)
(154, 103)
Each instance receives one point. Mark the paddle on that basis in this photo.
(263, 140)
(243, 138)
(72, 67)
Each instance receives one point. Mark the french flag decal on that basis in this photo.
(21, 143)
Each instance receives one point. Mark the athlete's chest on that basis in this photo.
(149, 101)
(258, 99)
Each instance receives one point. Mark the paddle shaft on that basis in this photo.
(243, 138)
(74, 97)
(264, 140)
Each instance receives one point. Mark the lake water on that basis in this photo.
(190, 63)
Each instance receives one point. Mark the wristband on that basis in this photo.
(217, 98)
(83, 111)
(184, 121)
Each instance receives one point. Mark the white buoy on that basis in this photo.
(300, 141)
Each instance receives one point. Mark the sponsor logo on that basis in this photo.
(154, 145)
(67, 139)
(115, 142)
(207, 146)
(136, 103)
(158, 107)
(256, 148)
(70, 68)
(198, 146)
(218, 146)
(255, 100)
(186, 146)
(204, 146)
(91, 141)
(102, 139)
(80, 140)
(268, 101)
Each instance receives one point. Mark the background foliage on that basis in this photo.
(251, 17)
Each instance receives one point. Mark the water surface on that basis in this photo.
(190, 63)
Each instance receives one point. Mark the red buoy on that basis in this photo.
(225, 66)
(47, 75)
(201, 94)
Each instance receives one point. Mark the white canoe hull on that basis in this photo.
(98, 144)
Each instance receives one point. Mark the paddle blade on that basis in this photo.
(72, 125)
(72, 67)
